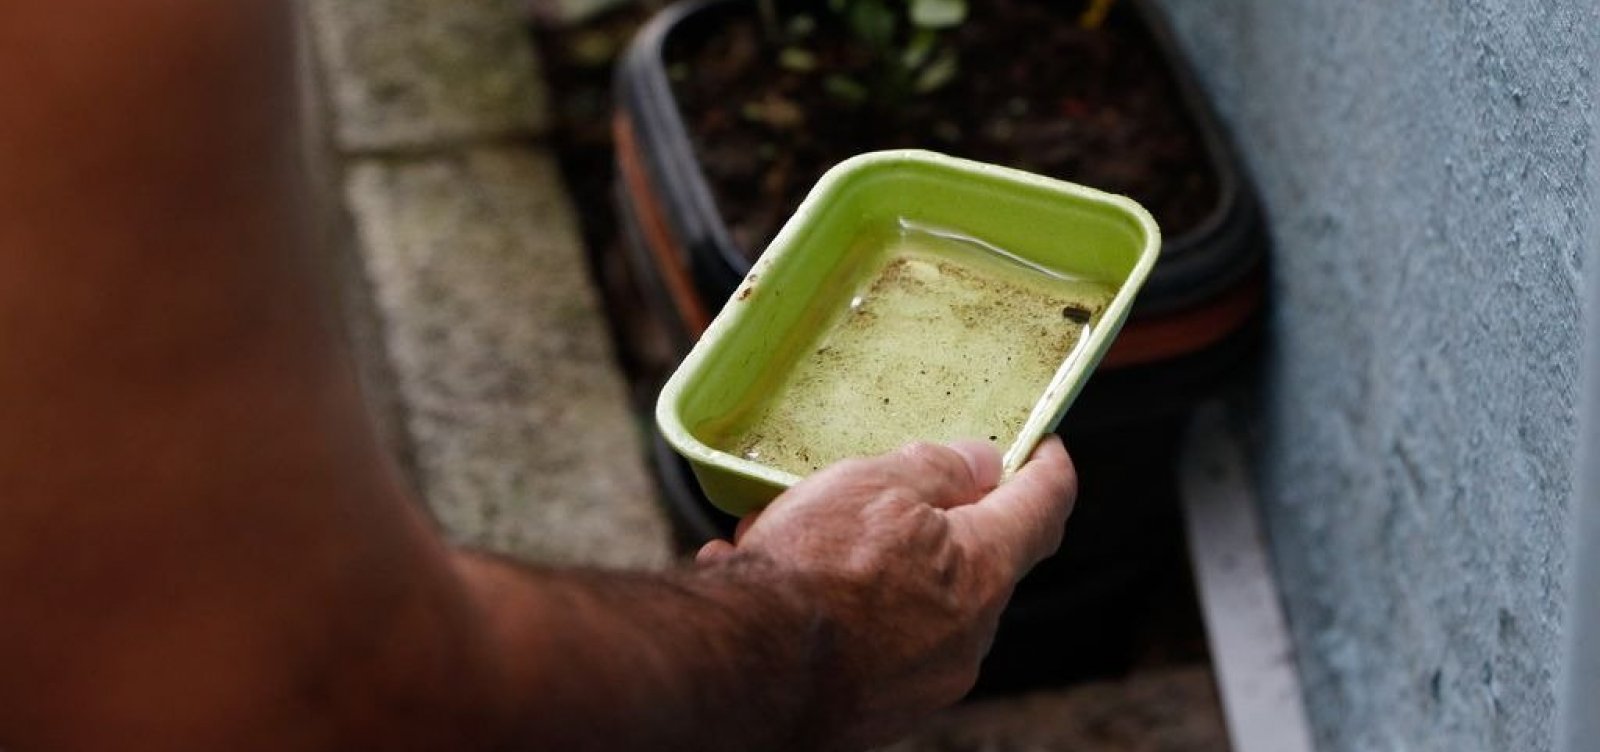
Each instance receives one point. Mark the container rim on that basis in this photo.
(1072, 372)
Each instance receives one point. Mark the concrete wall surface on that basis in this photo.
(1426, 168)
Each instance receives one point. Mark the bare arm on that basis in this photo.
(199, 539)
(202, 546)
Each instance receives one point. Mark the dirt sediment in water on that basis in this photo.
(938, 344)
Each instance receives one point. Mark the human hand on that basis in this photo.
(909, 558)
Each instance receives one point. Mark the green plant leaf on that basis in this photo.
(938, 14)
(937, 74)
(872, 21)
(797, 59)
(919, 48)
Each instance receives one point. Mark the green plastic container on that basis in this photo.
(816, 263)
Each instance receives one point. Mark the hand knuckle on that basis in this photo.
(851, 467)
(900, 501)
(939, 462)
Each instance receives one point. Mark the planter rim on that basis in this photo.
(1189, 272)
(662, 128)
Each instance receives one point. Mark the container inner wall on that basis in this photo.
(1073, 236)
(829, 253)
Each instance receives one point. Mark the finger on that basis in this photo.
(946, 476)
(983, 461)
(744, 525)
(713, 550)
(939, 476)
(1025, 515)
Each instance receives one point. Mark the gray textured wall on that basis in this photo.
(1425, 165)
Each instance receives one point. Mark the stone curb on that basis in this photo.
(415, 74)
(522, 434)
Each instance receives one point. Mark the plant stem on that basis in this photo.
(769, 18)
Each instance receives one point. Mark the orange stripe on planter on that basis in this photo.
(1159, 338)
(670, 260)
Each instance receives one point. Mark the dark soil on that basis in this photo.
(1033, 91)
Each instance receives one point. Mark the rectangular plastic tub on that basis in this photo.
(1069, 230)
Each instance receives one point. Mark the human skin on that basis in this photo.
(203, 546)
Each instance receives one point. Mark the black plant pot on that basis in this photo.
(1195, 327)
(664, 183)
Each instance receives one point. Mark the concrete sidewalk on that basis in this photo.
(481, 339)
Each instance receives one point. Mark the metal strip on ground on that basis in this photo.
(1251, 650)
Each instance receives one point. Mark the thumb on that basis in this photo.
(1026, 514)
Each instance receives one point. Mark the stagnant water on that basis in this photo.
(945, 337)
